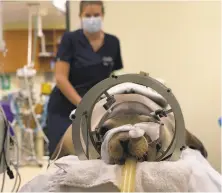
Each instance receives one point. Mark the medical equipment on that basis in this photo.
(4, 141)
(128, 176)
(86, 139)
(24, 104)
(101, 103)
(6, 131)
(7, 134)
(41, 35)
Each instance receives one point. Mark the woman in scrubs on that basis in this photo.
(85, 57)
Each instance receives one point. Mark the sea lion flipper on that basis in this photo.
(194, 143)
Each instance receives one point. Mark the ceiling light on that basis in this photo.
(60, 4)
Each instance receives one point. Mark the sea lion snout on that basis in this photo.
(121, 146)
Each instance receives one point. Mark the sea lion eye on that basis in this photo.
(103, 130)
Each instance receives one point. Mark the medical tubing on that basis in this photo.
(44, 114)
(32, 110)
(14, 138)
(128, 175)
(3, 181)
(18, 176)
(60, 149)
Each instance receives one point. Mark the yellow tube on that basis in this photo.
(128, 175)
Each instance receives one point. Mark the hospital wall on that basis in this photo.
(179, 42)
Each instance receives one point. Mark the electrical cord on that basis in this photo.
(18, 179)
(2, 154)
(5, 166)
(9, 171)
(5, 133)
(3, 144)
(18, 176)
(60, 149)
(2, 160)
(3, 182)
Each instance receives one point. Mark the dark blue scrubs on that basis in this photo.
(87, 68)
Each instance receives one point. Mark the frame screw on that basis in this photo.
(114, 76)
(182, 148)
(168, 90)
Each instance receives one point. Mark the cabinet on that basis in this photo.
(52, 41)
(17, 45)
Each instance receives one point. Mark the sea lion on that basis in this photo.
(121, 143)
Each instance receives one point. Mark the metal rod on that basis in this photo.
(2, 42)
(29, 55)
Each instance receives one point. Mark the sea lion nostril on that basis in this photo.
(124, 144)
(124, 141)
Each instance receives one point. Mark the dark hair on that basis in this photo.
(84, 3)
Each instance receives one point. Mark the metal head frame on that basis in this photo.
(81, 126)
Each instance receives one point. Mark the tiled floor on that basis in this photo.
(26, 172)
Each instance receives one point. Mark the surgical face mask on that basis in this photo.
(92, 24)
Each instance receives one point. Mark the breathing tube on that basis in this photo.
(86, 139)
(128, 175)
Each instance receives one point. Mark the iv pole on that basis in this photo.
(26, 75)
(2, 42)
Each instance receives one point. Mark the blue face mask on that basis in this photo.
(92, 24)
